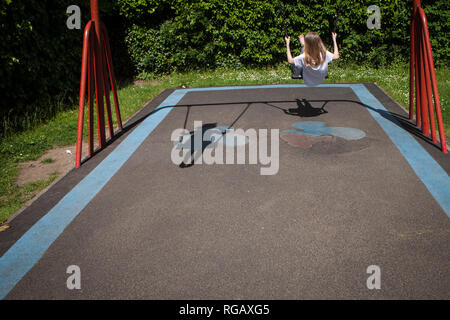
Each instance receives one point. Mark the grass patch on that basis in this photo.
(61, 130)
(14, 197)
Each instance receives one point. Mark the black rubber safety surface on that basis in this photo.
(160, 231)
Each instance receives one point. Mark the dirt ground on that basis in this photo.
(62, 161)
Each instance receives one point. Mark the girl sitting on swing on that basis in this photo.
(314, 60)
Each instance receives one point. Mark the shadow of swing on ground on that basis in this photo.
(305, 109)
(194, 154)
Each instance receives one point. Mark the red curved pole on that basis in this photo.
(422, 85)
(91, 98)
(417, 74)
(412, 58)
(106, 87)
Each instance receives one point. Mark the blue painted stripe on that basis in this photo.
(427, 169)
(27, 251)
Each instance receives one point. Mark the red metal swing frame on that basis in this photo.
(95, 69)
(422, 75)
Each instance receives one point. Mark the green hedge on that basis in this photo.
(41, 58)
(235, 33)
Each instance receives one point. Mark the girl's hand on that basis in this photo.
(287, 39)
(334, 35)
(302, 39)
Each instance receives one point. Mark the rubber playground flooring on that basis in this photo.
(353, 185)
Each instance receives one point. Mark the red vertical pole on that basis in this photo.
(411, 74)
(95, 14)
(416, 69)
(98, 77)
(91, 97)
(423, 97)
(428, 89)
(411, 64)
(111, 75)
(105, 80)
(99, 93)
(108, 103)
(84, 75)
(416, 4)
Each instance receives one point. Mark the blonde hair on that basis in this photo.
(315, 51)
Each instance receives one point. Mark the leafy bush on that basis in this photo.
(438, 16)
(235, 33)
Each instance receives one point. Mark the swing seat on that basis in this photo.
(296, 73)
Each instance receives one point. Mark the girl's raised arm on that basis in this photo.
(335, 50)
(288, 50)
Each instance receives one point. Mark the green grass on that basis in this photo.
(61, 130)
(13, 197)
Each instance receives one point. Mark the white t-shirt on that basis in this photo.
(313, 75)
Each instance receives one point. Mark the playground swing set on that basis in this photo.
(98, 79)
